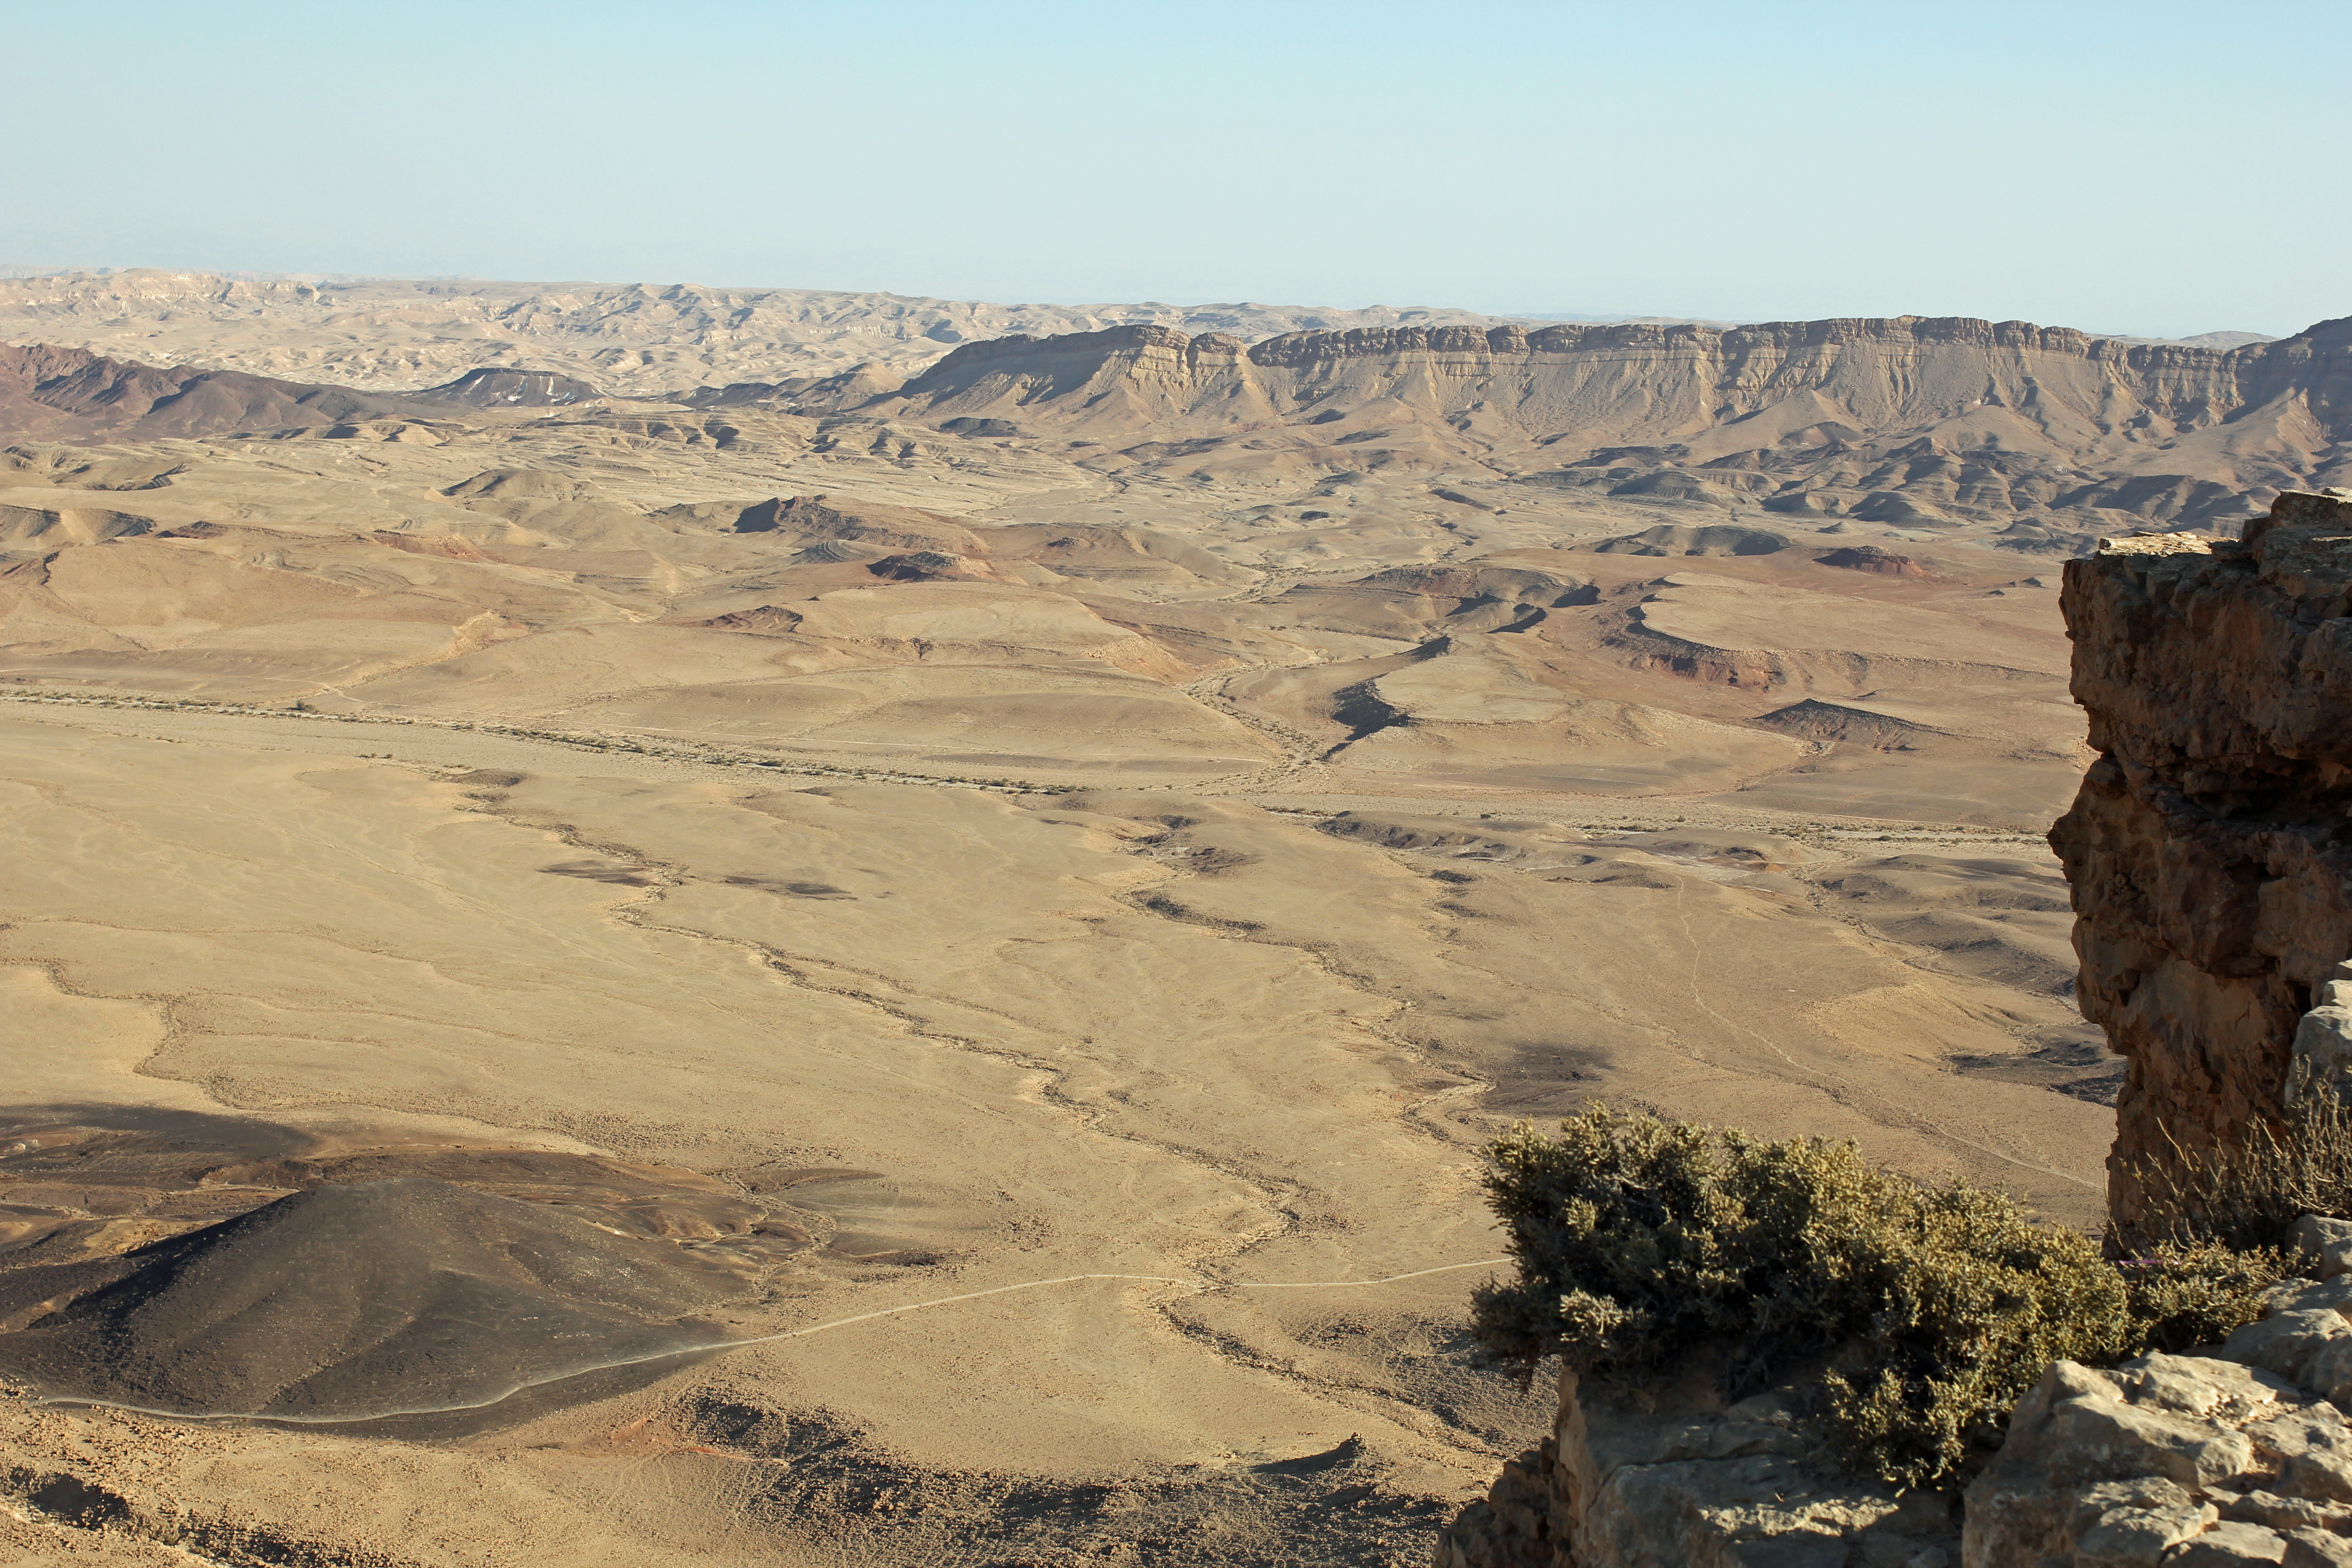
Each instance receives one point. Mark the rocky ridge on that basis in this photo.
(50, 393)
(1922, 426)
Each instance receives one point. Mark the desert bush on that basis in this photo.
(2245, 1195)
(2186, 1294)
(1638, 1241)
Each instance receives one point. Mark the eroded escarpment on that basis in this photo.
(2209, 851)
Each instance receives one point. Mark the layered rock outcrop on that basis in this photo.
(2209, 851)
(1918, 420)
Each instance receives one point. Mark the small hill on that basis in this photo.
(895, 528)
(1713, 539)
(1829, 723)
(1871, 558)
(353, 1302)
(495, 388)
(520, 484)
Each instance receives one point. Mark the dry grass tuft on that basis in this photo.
(2247, 1195)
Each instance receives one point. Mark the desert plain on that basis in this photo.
(1003, 867)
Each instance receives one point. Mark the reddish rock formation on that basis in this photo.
(2209, 851)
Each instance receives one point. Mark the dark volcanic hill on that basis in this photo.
(1905, 420)
(353, 1302)
(495, 388)
(71, 395)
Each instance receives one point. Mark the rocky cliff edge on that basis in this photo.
(2209, 851)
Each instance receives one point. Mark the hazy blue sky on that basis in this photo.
(2153, 168)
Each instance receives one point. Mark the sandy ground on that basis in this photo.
(1141, 889)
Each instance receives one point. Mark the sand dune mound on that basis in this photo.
(928, 566)
(1832, 722)
(355, 1301)
(1410, 602)
(1111, 554)
(1870, 558)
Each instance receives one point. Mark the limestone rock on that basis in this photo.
(2213, 888)
(2165, 1461)
(1680, 1480)
(1513, 1528)
(2230, 1545)
(2309, 1548)
(2150, 1462)
(2181, 1460)
(2324, 1244)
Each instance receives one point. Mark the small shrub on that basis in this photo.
(2245, 1197)
(2186, 1295)
(1960, 1302)
(1638, 1240)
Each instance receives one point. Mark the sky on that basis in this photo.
(2156, 169)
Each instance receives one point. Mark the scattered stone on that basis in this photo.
(2227, 1545)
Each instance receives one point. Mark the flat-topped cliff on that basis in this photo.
(2209, 851)
(1962, 417)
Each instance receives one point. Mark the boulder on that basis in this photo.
(2324, 1244)
(1672, 1477)
(2180, 1460)
(2165, 1461)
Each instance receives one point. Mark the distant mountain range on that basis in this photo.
(635, 339)
(640, 340)
(1907, 420)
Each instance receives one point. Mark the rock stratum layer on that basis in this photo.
(2209, 852)
(1910, 422)
(1908, 419)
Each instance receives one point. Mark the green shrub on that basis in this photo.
(1638, 1240)
(2189, 1294)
